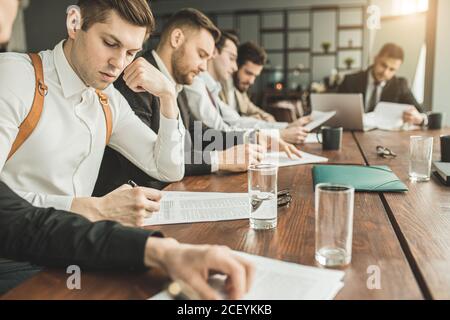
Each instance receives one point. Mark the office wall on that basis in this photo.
(163, 6)
(441, 88)
(45, 23)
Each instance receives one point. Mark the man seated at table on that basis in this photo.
(55, 238)
(57, 165)
(50, 237)
(379, 83)
(250, 61)
(187, 43)
(203, 97)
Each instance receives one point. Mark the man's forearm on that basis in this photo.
(90, 208)
(50, 237)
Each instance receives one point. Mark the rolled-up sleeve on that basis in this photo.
(161, 155)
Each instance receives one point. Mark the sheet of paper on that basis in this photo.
(190, 207)
(312, 138)
(318, 118)
(387, 116)
(282, 160)
(279, 280)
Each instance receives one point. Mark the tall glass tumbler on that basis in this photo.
(420, 156)
(334, 206)
(262, 189)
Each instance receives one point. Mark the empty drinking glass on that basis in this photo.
(334, 224)
(420, 156)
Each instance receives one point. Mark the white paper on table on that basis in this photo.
(312, 138)
(386, 116)
(279, 280)
(282, 160)
(190, 207)
(318, 118)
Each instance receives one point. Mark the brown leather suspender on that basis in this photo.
(32, 119)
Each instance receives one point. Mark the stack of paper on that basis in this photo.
(387, 116)
(282, 160)
(189, 207)
(318, 118)
(278, 280)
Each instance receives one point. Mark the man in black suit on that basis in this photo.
(379, 83)
(187, 43)
(55, 238)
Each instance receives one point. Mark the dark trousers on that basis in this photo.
(12, 273)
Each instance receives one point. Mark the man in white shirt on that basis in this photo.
(57, 165)
(57, 238)
(205, 103)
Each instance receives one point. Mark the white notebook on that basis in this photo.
(387, 116)
(318, 118)
(279, 280)
(282, 160)
(189, 207)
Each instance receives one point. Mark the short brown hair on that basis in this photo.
(189, 18)
(136, 12)
(250, 51)
(391, 50)
(232, 36)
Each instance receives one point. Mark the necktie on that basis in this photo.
(373, 99)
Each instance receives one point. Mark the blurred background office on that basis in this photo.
(311, 44)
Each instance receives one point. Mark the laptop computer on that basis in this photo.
(349, 110)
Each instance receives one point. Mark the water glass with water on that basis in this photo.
(420, 156)
(262, 189)
(334, 206)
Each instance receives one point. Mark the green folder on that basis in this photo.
(362, 178)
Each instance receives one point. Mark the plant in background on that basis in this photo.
(349, 62)
(326, 46)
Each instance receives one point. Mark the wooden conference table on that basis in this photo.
(407, 236)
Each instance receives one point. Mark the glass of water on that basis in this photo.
(334, 224)
(420, 156)
(262, 190)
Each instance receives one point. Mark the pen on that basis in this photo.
(132, 183)
(179, 290)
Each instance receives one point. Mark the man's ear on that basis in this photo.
(177, 38)
(73, 20)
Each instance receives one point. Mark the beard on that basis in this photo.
(180, 70)
(242, 87)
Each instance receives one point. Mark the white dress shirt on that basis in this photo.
(219, 115)
(214, 156)
(62, 157)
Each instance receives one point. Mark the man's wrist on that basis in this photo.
(169, 106)
(90, 208)
(156, 250)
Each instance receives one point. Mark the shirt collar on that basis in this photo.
(212, 85)
(71, 84)
(162, 67)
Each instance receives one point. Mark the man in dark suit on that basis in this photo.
(187, 42)
(56, 238)
(379, 83)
